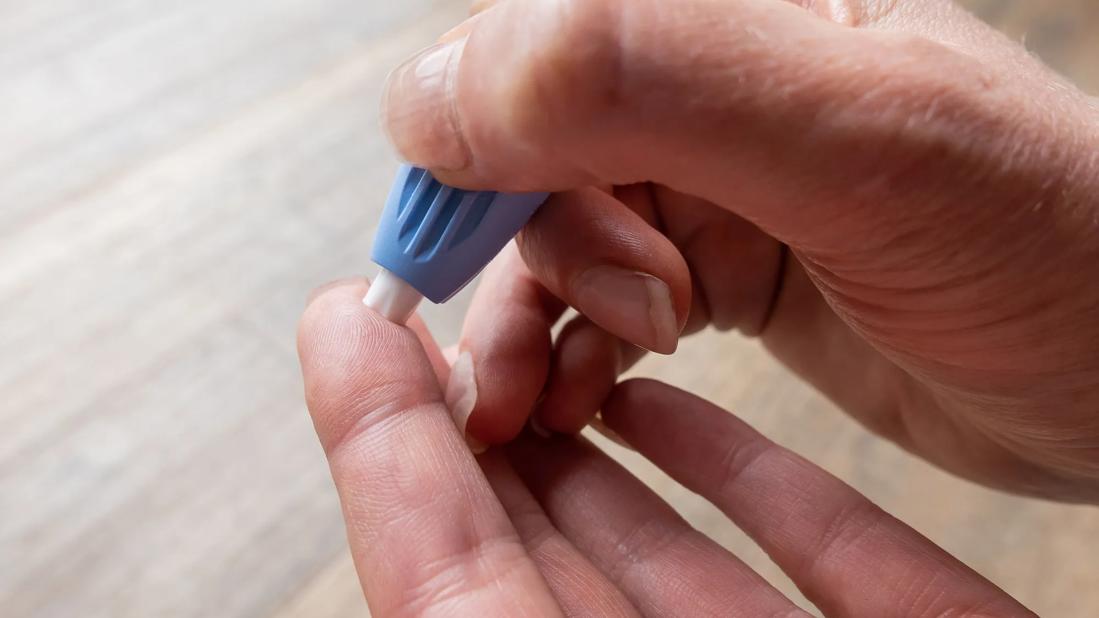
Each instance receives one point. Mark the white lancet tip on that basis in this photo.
(392, 297)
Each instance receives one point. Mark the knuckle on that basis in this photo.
(739, 458)
(472, 565)
(936, 594)
(849, 525)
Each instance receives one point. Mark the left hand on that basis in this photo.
(554, 526)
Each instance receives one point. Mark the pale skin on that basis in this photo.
(898, 201)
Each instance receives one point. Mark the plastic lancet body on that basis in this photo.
(433, 239)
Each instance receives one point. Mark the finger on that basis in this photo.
(439, 359)
(848, 556)
(641, 200)
(504, 352)
(425, 530)
(665, 567)
(736, 266)
(603, 259)
(736, 270)
(440, 364)
(579, 586)
(585, 365)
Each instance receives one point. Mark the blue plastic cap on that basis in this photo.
(437, 238)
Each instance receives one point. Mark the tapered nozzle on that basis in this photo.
(392, 297)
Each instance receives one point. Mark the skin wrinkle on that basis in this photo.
(398, 486)
(740, 457)
(429, 594)
(850, 525)
(909, 415)
(995, 365)
(923, 595)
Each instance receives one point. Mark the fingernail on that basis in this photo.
(633, 305)
(461, 396)
(450, 353)
(419, 110)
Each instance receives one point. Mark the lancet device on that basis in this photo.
(433, 239)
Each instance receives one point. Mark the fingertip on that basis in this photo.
(320, 304)
(357, 365)
(611, 265)
(634, 304)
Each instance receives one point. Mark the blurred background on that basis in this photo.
(174, 178)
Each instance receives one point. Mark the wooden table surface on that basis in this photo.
(174, 177)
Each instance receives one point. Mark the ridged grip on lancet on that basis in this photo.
(437, 238)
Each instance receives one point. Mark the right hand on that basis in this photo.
(898, 200)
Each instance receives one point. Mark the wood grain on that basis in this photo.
(174, 178)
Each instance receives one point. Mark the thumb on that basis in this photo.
(751, 105)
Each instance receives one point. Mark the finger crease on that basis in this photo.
(850, 524)
(738, 458)
(492, 561)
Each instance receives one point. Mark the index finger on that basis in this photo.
(425, 530)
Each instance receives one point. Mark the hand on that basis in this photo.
(548, 527)
(898, 200)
